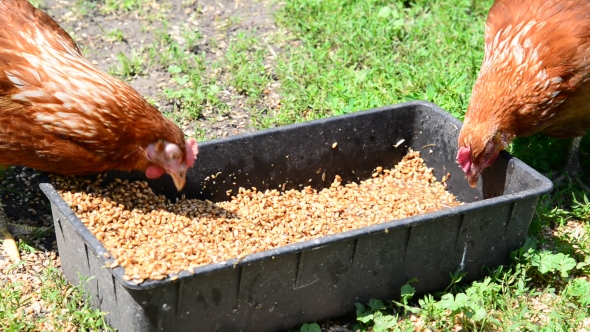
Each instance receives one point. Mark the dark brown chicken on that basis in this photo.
(60, 114)
(534, 79)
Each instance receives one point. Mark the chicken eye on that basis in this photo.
(175, 155)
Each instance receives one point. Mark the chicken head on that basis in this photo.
(477, 151)
(167, 158)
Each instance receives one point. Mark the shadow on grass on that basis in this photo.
(546, 154)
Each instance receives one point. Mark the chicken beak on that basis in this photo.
(179, 179)
(473, 181)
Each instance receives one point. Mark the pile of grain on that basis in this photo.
(153, 238)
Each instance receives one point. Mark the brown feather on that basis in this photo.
(534, 77)
(59, 113)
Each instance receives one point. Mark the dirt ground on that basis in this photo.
(216, 21)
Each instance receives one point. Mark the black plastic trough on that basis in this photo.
(282, 288)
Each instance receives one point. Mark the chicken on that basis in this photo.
(533, 79)
(60, 114)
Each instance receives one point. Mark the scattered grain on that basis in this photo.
(151, 237)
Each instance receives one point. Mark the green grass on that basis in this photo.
(83, 7)
(245, 62)
(115, 35)
(66, 302)
(36, 3)
(547, 154)
(128, 66)
(111, 6)
(187, 70)
(362, 54)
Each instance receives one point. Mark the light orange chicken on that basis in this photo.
(534, 79)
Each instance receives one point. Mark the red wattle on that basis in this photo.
(464, 159)
(153, 172)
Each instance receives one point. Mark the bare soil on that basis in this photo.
(216, 21)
